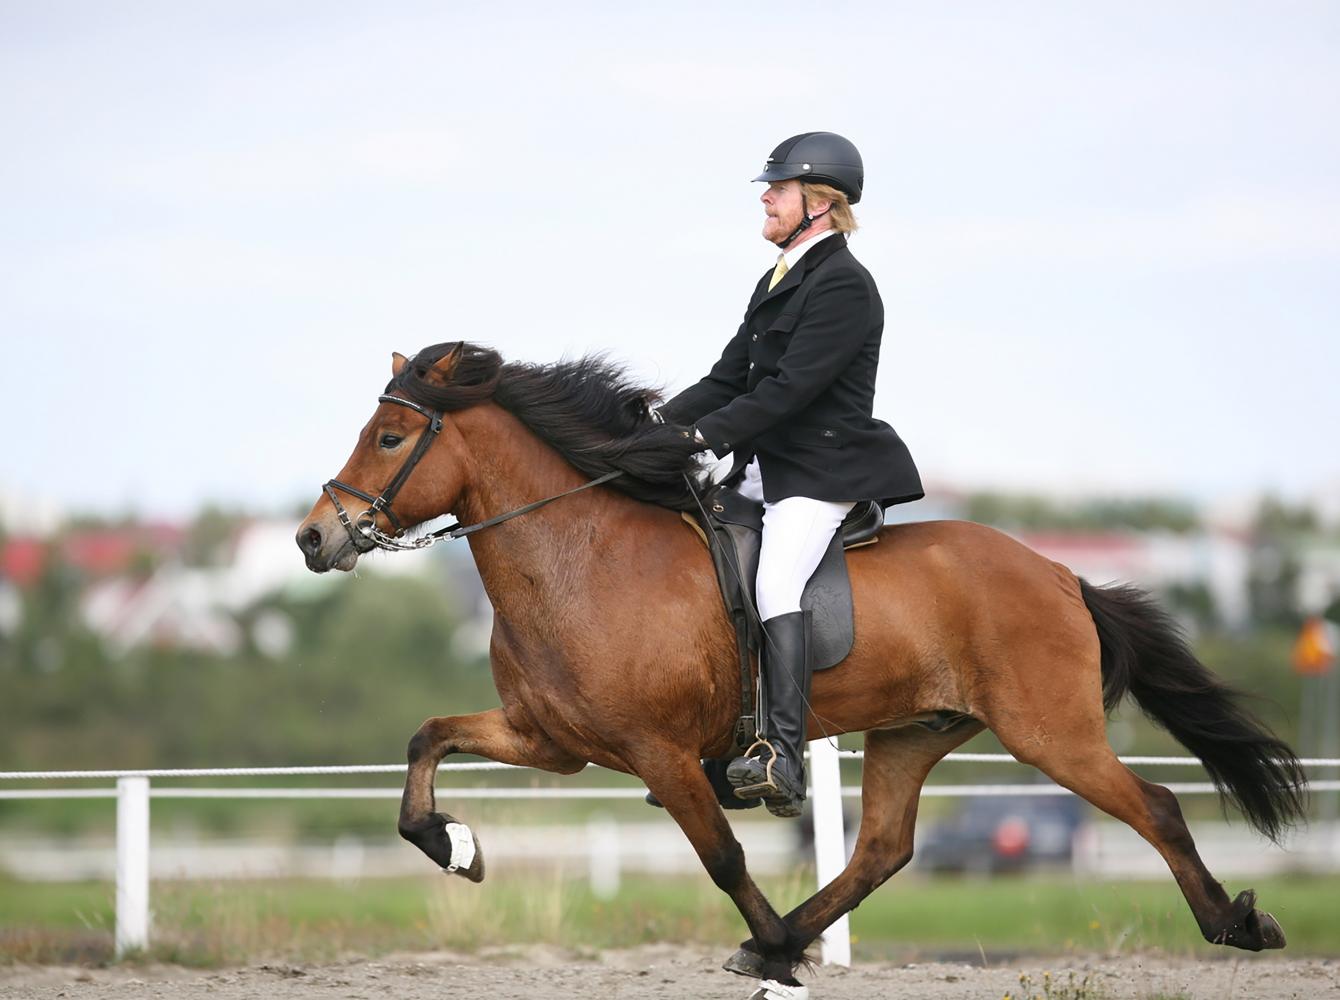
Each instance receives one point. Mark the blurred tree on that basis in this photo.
(210, 536)
(1278, 530)
(1034, 513)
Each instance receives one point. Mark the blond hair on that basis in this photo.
(840, 214)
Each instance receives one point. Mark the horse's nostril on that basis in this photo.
(310, 541)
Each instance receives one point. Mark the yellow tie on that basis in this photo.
(778, 273)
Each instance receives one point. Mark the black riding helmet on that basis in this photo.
(818, 156)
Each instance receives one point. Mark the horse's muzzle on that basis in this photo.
(325, 548)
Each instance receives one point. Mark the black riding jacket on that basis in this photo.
(796, 387)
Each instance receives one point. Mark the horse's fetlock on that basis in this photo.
(414, 830)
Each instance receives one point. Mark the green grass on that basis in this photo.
(218, 923)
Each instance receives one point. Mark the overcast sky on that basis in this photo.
(1106, 235)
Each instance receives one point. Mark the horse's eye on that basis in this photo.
(390, 440)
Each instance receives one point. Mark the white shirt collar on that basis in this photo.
(792, 256)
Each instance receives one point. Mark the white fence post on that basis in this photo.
(132, 864)
(830, 842)
(604, 865)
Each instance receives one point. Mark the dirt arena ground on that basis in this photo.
(537, 973)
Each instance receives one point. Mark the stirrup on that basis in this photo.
(767, 787)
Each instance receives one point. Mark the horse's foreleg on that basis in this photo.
(679, 783)
(896, 764)
(488, 734)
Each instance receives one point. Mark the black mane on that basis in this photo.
(587, 410)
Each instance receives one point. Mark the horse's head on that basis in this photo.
(409, 464)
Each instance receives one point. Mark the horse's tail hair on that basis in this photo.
(1145, 654)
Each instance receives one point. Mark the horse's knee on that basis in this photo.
(425, 742)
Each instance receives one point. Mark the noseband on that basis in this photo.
(365, 525)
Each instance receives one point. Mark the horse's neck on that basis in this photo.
(528, 564)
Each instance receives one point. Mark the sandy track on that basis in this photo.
(538, 973)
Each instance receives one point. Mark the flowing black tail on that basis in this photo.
(1145, 655)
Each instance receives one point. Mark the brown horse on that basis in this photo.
(610, 644)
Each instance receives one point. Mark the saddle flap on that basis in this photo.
(732, 507)
(736, 524)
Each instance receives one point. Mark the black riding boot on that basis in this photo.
(786, 672)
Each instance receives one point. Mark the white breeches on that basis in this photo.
(796, 533)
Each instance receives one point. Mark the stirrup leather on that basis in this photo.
(767, 786)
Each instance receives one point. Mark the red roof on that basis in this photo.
(99, 552)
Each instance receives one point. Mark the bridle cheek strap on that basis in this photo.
(365, 525)
(382, 504)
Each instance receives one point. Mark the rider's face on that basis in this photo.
(785, 207)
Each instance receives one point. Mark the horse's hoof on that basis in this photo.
(1272, 934)
(771, 989)
(450, 844)
(1251, 929)
(467, 860)
(745, 963)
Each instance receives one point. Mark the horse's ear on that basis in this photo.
(397, 363)
(446, 364)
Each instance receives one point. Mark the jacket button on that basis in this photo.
(751, 365)
(754, 337)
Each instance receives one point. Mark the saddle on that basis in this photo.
(733, 531)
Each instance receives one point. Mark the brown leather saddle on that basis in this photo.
(733, 530)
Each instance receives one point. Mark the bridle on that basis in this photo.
(365, 524)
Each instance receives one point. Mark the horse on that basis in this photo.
(610, 642)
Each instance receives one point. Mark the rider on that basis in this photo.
(791, 398)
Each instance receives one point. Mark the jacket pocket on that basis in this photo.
(820, 437)
(784, 323)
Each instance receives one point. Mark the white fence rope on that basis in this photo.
(847, 791)
(133, 792)
(489, 765)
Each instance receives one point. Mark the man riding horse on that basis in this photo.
(791, 398)
(567, 493)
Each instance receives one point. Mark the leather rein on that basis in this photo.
(365, 524)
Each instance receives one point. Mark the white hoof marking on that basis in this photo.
(771, 989)
(462, 847)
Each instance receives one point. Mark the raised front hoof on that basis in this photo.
(450, 844)
(1251, 929)
(745, 963)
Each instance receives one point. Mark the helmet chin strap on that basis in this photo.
(805, 223)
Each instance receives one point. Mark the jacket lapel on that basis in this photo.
(792, 279)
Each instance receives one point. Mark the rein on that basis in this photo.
(365, 524)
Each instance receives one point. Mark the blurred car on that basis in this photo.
(990, 834)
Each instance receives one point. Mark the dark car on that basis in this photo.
(999, 833)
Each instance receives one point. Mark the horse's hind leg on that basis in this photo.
(1078, 757)
(896, 764)
(488, 734)
(679, 783)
